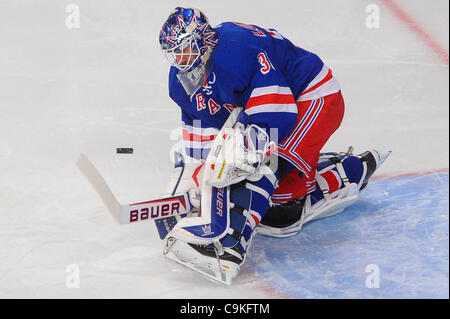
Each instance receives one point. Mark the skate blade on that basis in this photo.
(209, 274)
(212, 275)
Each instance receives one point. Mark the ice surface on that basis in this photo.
(66, 91)
(405, 240)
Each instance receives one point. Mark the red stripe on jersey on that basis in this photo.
(196, 137)
(270, 99)
(306, 121)
(328, 77)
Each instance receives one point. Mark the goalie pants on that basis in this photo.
(317, 121)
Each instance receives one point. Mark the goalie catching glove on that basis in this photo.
(238, 154)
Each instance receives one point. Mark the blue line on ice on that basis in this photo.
(400, 225)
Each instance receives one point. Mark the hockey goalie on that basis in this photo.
(256, 113)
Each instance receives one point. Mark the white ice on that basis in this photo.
(90, 90)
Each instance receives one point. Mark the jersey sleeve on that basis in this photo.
(197, 140)
(270, 104)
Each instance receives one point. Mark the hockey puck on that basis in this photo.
(125, 150)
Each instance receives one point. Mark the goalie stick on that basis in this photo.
(126, 214)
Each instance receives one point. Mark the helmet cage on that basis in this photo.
(185, 55)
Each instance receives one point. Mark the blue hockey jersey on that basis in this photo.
(252, 68)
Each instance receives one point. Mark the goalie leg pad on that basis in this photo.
(221, 259)
(185, 177)
(340, 177)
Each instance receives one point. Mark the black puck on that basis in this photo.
(124, 150)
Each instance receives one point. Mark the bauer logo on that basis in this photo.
(155, 210)
(219, 202)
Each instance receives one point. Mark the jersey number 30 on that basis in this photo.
(262, 59)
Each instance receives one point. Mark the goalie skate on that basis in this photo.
(204, 260)
(335, 204)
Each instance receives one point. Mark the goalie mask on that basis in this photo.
(187, 41)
